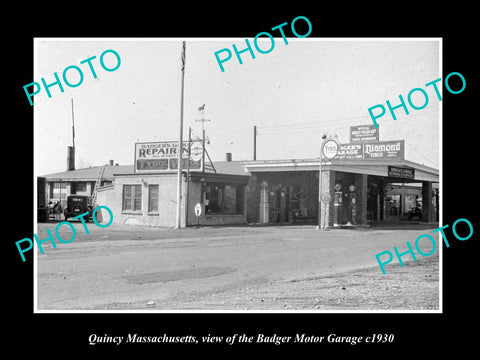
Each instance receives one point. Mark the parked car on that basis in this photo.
(76, 205)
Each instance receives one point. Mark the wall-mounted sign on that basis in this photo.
(363, 133)
(389, 150)
(163, 156)
(350, 151)
(325, 197)
(403, 173)
(386, 150)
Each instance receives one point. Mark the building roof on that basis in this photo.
(230, 168)
(370, 167)
(91, 173)
(245, 168)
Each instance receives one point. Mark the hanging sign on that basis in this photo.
(403, 173)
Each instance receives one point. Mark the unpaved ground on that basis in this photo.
(234, 268)
(412, 288)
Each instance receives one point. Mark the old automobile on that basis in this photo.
(77, 205)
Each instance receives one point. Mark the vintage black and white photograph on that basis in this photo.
(270, 174)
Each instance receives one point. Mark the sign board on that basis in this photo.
(330, 149)
(389, 150)
(325, 197)
(363, 133)
(379, 150)
(350, 151)
(198, 209)
(196, 151)
(163, 156)
(403, 173)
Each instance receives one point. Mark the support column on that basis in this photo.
(428, 213)
(326, 210)
(264, 209)
(361, 182)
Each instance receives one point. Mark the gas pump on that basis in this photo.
(351, 211)
(337, 205)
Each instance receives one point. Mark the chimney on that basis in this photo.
(228, 156)
(110, 162)
(71, 158)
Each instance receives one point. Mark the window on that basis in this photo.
(60, 185)
(229, 200)
(81, 187)
(132, 197)
(58, 190)
(152, 198)
(224, 199)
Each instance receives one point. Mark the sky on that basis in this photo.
(293, 94)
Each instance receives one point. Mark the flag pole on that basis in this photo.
(178, 224)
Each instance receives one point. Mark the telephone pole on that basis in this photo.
(178, 224)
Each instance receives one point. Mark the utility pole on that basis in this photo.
(178, 224)
(71, 149)
(188, 174)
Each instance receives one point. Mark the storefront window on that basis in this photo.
(224, 199)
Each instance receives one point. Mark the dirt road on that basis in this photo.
(126, 267)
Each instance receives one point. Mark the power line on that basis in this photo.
(317, 126)
(421, 154)
(312, 124)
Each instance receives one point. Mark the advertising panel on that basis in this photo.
(363, 133)
(163, 156)
(378, 150)
(384, 150)
(350, 151)
(403, 173)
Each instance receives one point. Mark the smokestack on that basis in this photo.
(71, 158)
(71, 149)
(228, 156)
(110, 162)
